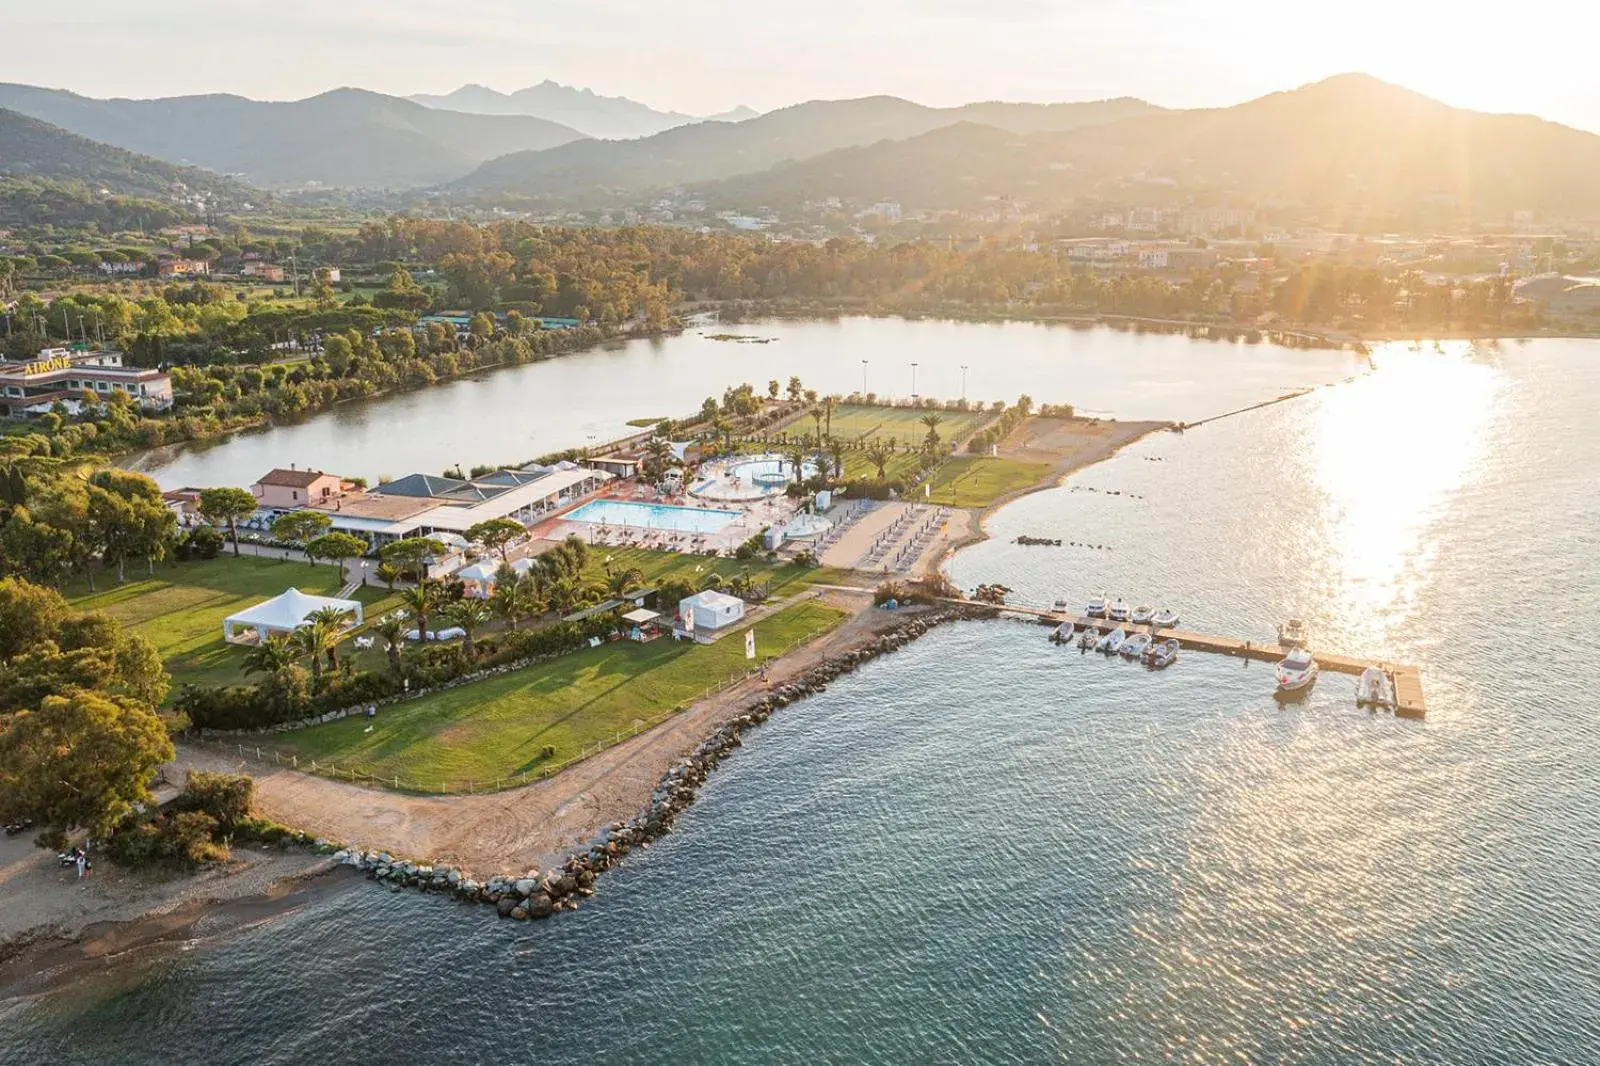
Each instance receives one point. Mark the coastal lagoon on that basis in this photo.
(985, 848)
(518, 413)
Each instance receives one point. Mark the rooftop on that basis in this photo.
(292, 479)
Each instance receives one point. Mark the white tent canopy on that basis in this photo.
(283, 614)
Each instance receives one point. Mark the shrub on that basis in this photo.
(226, 798)
(190, 837)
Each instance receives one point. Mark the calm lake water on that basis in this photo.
(988, 849)
(519, 413)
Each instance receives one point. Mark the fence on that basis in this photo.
(355, 773)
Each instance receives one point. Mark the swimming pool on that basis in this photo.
(653, 516)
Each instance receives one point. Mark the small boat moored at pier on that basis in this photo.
(1064, 633)
(1162, 655)
(1089, 638)
(1292, 634)
(1097, 606)
(1135, 645)
(1117, 612)
(1164, 619)
(1111, 641)
(1374, 689)
(1143, 614)
(1296, 673)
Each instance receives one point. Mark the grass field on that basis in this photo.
(499, 728)
(659, 566)
(181, 608)
(977, 481)
(858, 422)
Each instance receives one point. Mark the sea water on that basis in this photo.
(986, 848)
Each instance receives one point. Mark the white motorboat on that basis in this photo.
(1292, 634)
(1089, 638)
(1142, 614)
(1064, 633)
(1296, 673)
(1160, 656)
(1111, 641)
(1061, 607)
(1135, 645)
(1374, 689)
(1097, 606)
(1117, 612)
(1164, 619)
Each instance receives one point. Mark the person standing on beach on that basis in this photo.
(81, 863)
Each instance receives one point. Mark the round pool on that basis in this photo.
(751, 478)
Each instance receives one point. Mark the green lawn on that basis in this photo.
(496, 729)
(859, 423)
(980, 480)
(181, 608)
(658, 566)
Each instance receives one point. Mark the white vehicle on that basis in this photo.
(1111, 641)
(1374, 689)
(1097, 606)
(1135, 645)
(1164, 619)
(1143, 614)
(1297, 673)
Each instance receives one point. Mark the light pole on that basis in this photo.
(913, 381)
(963, 381)
(863, 379)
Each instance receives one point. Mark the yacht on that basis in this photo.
(1097, 606)
(1089, 638)
(1135, 645)
(1164, 619)
(1297, 673)
(1374, 689)
(1061, 606)
(1292, 634)
(1117, 612)
(1160, 656)
(1143, 614)
(1111, 641)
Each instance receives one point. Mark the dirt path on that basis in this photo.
(525, 828)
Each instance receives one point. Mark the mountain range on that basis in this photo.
(1351, 143)
(347, 137)
(593, 171)
(33, 149)
(611, 117)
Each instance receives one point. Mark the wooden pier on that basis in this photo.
(1409, 702)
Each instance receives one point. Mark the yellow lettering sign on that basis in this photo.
(45, 366)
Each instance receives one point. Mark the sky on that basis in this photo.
(704, 56)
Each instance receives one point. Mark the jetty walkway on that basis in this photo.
(1409, 701)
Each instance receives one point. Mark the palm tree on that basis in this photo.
(471, 615)
(334, 618)
(933, 422)
(880, 459)
(836, 450)
(828, 403)
(388, 573)
(623, 580)
(269, 656)
(392, 628)
(314, 639)
(797, 460)
(816, 416)
(420, 599)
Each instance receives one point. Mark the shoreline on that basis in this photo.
(1064, 467)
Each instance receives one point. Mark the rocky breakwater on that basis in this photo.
(535, 894)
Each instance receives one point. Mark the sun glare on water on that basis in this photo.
(1390, 449)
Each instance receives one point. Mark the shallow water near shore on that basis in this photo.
(984, 848)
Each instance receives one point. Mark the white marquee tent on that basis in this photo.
(282, 614)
